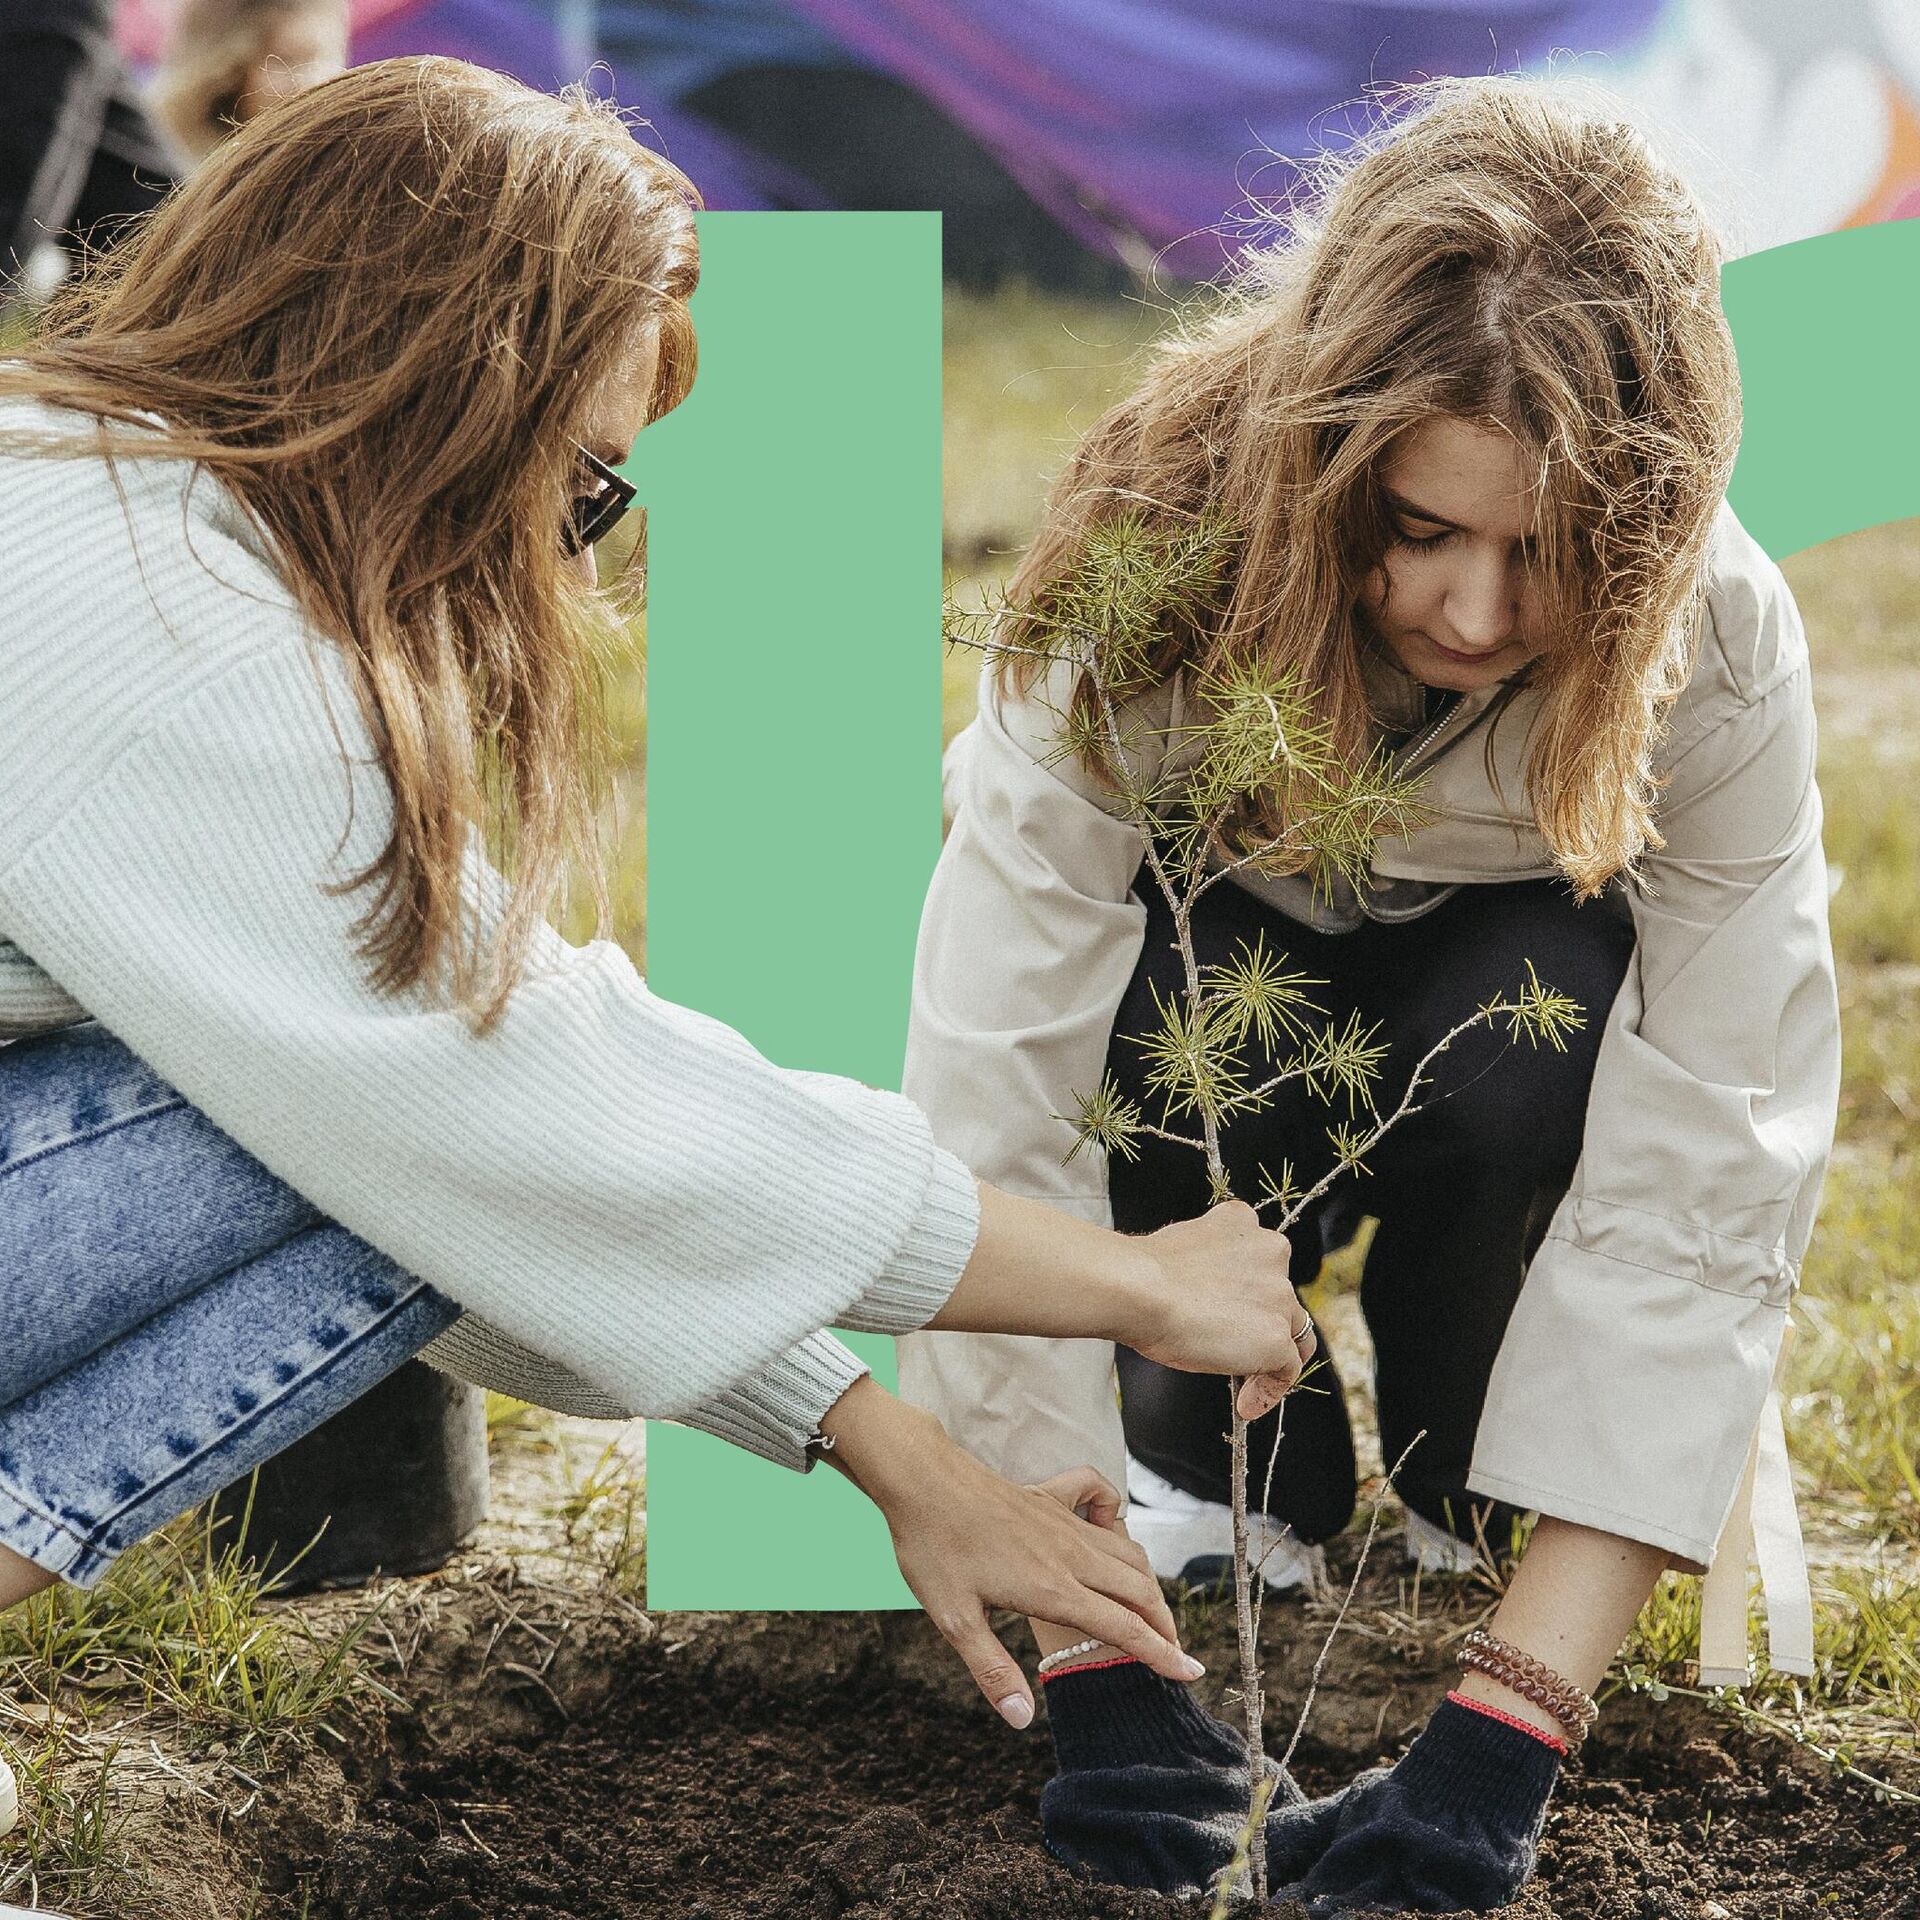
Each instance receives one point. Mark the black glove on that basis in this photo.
(1151, 1792)
(1455, 1824)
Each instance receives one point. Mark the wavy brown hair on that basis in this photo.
(1508, 252)
(380, 315)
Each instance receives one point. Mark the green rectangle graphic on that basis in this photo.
(793, 761)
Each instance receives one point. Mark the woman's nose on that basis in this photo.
(1483, 603)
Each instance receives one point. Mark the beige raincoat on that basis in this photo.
(1633, 1388)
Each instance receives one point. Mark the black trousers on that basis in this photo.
(1462, 1190)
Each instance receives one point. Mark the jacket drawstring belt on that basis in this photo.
(1763, 1525)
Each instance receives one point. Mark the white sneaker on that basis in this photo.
(1435, 1550)
(1190, 1539)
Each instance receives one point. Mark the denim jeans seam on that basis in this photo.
(50, 1542)
(101, 1533)
(116, 1125)
(22, 1499)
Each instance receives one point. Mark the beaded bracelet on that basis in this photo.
(1532, 1680)
(1064, 1654)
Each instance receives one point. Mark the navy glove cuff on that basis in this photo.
(1126, 1715)
(1470, 1763)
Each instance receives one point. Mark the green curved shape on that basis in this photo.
(1828, 334)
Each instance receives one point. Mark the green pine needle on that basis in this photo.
(1106, 1123)
(1344, 1063)
(1257, 994)
(1282, 1190)
(1349, 1143)
(1540, 1014)
(1193, 1060)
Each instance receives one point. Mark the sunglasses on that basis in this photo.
(593, 515)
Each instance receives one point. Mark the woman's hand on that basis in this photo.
(1223, 1292)
(1454, 1825)
(967, 1540)
(1209, 1295)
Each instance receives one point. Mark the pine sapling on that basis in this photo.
(1203, 795)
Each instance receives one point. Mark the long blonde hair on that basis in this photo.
(1505, 252)
(380, 315)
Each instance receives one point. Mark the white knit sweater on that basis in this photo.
(640, 1213)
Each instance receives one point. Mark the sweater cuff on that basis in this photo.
(915, 1283)
(775, 1411)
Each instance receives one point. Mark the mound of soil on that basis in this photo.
(839, 1768)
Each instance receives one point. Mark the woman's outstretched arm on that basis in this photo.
(1208, 1295)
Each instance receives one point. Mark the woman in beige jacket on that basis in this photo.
(1473, 428)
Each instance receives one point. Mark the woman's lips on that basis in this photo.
(1465, 659)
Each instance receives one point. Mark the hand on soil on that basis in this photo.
(1225, 1304)
(968, 1540)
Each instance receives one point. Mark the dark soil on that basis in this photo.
(757, 1767)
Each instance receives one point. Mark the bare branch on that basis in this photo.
(1353, 1586)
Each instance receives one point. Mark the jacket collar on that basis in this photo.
(1398, 701)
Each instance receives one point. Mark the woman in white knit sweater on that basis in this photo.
(292, 766)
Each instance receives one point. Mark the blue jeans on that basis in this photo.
(171, 1315)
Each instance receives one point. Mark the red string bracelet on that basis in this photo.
(1513, 1720)
(1091, 1666)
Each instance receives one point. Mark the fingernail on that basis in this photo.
(1193, 1667)
(1017, 1710)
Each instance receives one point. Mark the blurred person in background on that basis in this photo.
(815, 122)
(78, 154)
(227, 59)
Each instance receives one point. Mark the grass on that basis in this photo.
(604, 1511)
(74, 1836)
(1854, 1381)
(1853, 1399)
(507, 1415)
(181, 1625)
(179, 1628)
(1860, 1708)
(1026, 375)
(181, 1640)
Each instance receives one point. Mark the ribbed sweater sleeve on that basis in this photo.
(774, 1410)
(622, 1185)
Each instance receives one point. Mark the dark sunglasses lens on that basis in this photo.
(590, 517)
(606, 514)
